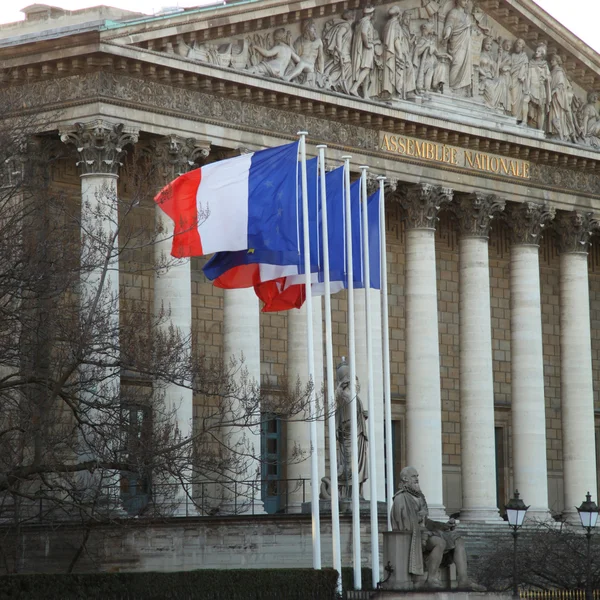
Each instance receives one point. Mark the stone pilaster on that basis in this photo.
(100, 148)
(421, 204)
(530, 474)
(173, 291)
(474, 213)
(577, 391)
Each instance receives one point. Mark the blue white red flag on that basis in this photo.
(248, 201)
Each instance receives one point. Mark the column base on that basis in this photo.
(437, 512)
(480, 515)
(571, 516)
(538, 514)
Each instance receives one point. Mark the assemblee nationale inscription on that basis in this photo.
(454, 156)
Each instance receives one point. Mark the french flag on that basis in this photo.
(248, 201)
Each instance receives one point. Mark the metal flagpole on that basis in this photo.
(335, 506)
(352, 368)
(389, 462)
(314, 460)
(370, 397)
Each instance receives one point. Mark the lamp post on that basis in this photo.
(515, 512)
(588, 514)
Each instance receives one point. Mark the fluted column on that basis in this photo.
(576, 379)
(527, 360)
(421, 204)
(298, 446)
(100, 149)
(241, 412)
(478, 452)
(173, 301)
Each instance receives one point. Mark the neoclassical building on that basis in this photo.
(484, 119)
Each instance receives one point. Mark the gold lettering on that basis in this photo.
(410, 147)
(401, 145)
(393, 143)
(493, 168)
(385, 143)
(420, 150)
(469, 158)
(430, 151)
(504, 165)
(526, 170)
(446, 157)
(454, 157)
(479, 161)
(514, 168)
(438, 153)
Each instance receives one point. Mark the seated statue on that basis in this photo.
(432, 542)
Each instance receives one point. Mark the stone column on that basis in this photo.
(577, 389)
(173, 306)
(421, 204)
(298, 428)
(527, 361)
(241, 411)
(478, 451)
(100, 148)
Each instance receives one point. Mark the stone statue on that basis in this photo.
(337, 37)
(431, 541)
(538, 88)
(491, 87)
(343, 432)
(426, 57)
(363, 52)
(589, 121)
(309, 47)
(398, 42)
(560, 119)
(504, 69)
(280, 56)
(457, 32)
(519, 64)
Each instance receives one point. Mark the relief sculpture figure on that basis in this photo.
(344, 436)
(519, 66)
(589, 121)
(337, 38)
(491, 87)
(538, 88)
(398, 69)
(504, 68)
(309, 47)
(426, 57)
(363, 52)
(457, 32)
(560, 120)
(433, 543)
(280, 56)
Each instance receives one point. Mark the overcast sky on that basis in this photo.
(582, 17)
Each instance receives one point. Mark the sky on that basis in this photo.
(580, 16)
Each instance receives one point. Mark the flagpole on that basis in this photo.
(314, 459)
(370, 392)
(387, 391)
(335, 505)
(352, 368)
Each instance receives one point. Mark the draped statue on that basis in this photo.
(560, 119)
(538, 88)
(398, 69)
(457, 32)
(337, 38)
(344, 434)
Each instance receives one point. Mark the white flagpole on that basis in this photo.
(314, 459)
(335, 504)
(370, 397)
(352, 368)
(387, 388)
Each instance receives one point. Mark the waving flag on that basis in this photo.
(242, 269)
(248, 201)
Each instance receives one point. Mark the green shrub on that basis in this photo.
(204, 584)
(348, 578)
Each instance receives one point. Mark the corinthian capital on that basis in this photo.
(575, 230)
(527, 221)
(177, 155)
(475, 213)
(100, 145)
(421, 203)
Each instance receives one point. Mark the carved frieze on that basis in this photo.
(474, 213)
(421, 203)
(403, 52)
(575, 230)
(527, 221)
(100, 145)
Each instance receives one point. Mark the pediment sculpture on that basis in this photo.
(403, 52)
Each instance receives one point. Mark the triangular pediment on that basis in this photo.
(481, 53)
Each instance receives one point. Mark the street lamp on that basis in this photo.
(588, 513)
(515, 512)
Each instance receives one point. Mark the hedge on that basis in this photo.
(209, 584)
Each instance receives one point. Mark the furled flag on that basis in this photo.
(286, 293)
(248, 201)
(243, 269)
